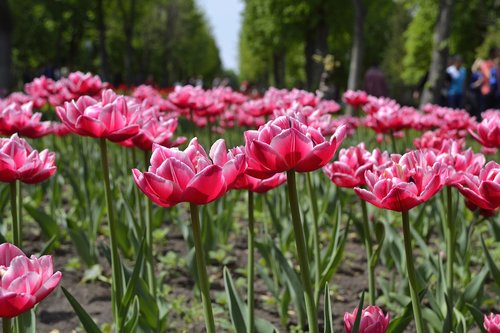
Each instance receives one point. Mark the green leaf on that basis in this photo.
(357, 321)
(475, 286)
(335, 260)
(133, 320)
(380, 234)
(328, 314)
(133, 282)
(237, 309)
(293, 282)
(477, 315)
(399, 324)
(495, 272)
(47, 223)
(87, 322)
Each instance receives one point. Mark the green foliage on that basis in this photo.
(171, 39)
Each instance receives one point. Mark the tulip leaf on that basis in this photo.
(380, 234)
(47, 223)
(294, 283)
(495, 272)
(237, 309)
(82, 243)
(131, 324)
(328, 314)
(335, 260)
(132, 283)
(357, 321)
(478, 316)
(87, 322)
(399, 324)
(474, 287)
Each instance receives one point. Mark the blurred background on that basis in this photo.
(309, 44)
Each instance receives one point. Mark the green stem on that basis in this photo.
(369, 254)
(250, 264)
(16, 226)
(149, 239)
(117, 278)
(302, 253)
(450, 244)
(6, 325)
(393, 142)
(202, 269)
(317, 251)
(417, 313)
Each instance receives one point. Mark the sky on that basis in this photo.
(224, 16)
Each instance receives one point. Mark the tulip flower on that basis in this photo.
(188, 176)
(16, 118)
(286, 143)
(488, 131)
(349, 169)
(373, 320)
(492, 323)
(355, 98)
(408, 182)
(24, 281)
(80, 84)
(111, 118)
(483, 190)
(18, 161)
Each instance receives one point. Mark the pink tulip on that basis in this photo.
(18, 161)
(189, 176)
(20, 119)
(246, 182)
(355, 98)
(287, 143)
(458, 161)
(111, 118)
(80, 84)
(24, 281)
(492, 323)
(349, 170)
(373, 320)
(483, 190)
(410, 181)
(488, 131)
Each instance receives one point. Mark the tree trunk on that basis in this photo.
(279, 57)
(316, 43)
(128, 17)
(432, 89)
(5, 47)
(357, 51)
(101, 28)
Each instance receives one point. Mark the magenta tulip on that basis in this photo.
(373, 320)
(410, 181)
(110, 118)
(492, 323)
(483, 190)
(488, 131)
(18, 161)
(24, 281)
(349, 170)
(286, 143)
(188, 176)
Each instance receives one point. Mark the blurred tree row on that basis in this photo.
(279, 38)
(127, 41)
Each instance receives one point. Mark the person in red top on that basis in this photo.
(489, 85)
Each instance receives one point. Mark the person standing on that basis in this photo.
(375, 83)
(457, 74)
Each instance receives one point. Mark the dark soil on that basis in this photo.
(56, 315)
